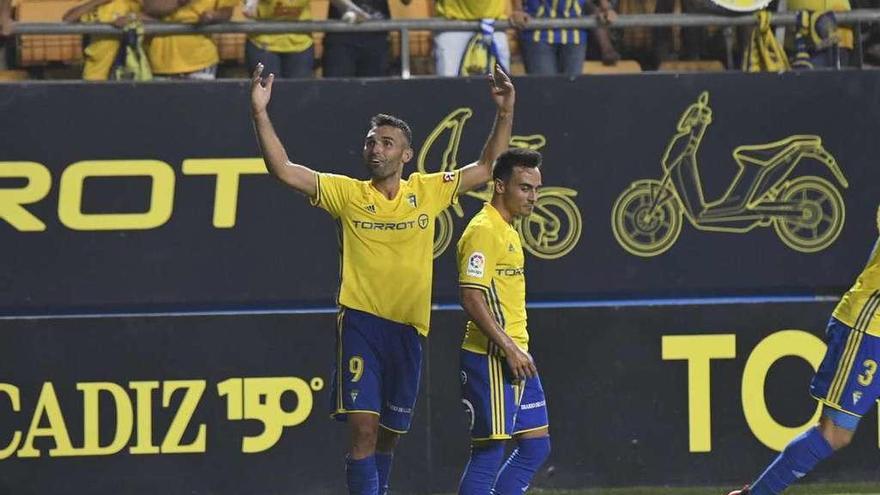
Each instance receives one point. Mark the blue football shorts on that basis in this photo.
(378, 366)
(846, 379)
(499, 406)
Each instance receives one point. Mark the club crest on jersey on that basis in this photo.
(412, 200)
(856, 396)
(476, 265)
(449, 177)
(354, 395)
(510, 248)
(423, 221)
(370, 208)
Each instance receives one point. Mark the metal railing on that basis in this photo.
(406, 26)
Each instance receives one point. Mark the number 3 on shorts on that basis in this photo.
(870, 369)
(356, 366)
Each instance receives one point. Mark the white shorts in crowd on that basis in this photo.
(449, 47)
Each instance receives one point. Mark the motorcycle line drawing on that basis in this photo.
(551, 231)
(806, 211)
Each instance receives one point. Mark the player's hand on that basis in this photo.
(261, 91)
(521, 363)
(503, 93)
(519, 19)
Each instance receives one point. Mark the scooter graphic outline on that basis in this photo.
(807, 212)
(543, 233)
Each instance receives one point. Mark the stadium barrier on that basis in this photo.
(412, 30)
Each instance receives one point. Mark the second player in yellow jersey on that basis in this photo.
(500, 386)
(490, 259)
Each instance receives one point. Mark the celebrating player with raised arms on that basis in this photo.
(386, 227)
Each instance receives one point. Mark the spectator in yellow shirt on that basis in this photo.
(186, 56)
(285, 55)
(101, 52)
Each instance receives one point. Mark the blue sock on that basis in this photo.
(521, 466)
(481, 468)
(362, 476)
(798, 459)
(383, 466)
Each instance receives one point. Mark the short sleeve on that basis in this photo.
(334, 192)
(440, 189)
(477, 256)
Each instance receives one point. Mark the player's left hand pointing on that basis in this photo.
(503, 93)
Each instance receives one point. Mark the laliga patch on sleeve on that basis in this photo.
(476, 265)
(449, 177)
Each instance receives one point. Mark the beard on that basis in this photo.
(383, 170)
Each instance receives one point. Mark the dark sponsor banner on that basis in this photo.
(237, 404)
(120, 197)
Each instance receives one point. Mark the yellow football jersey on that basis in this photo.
(490, 258)
(860, 306)
(184, 53)
(469, 10)
(101, 52)
(388, 244)
(283, 10)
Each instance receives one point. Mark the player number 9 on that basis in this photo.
(356, 366)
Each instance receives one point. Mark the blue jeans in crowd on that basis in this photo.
(283, 64)
(547, 59)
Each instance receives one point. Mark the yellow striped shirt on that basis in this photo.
(490, 258)
(860, 306)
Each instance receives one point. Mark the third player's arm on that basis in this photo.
(474, 303)
(299, 177)
(480, 172)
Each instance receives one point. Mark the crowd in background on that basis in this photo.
(367, 54)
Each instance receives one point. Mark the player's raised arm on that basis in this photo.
(503, 94)
(299, 177)
(473, 301)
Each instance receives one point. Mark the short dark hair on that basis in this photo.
(392, 121)
(515, 157)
